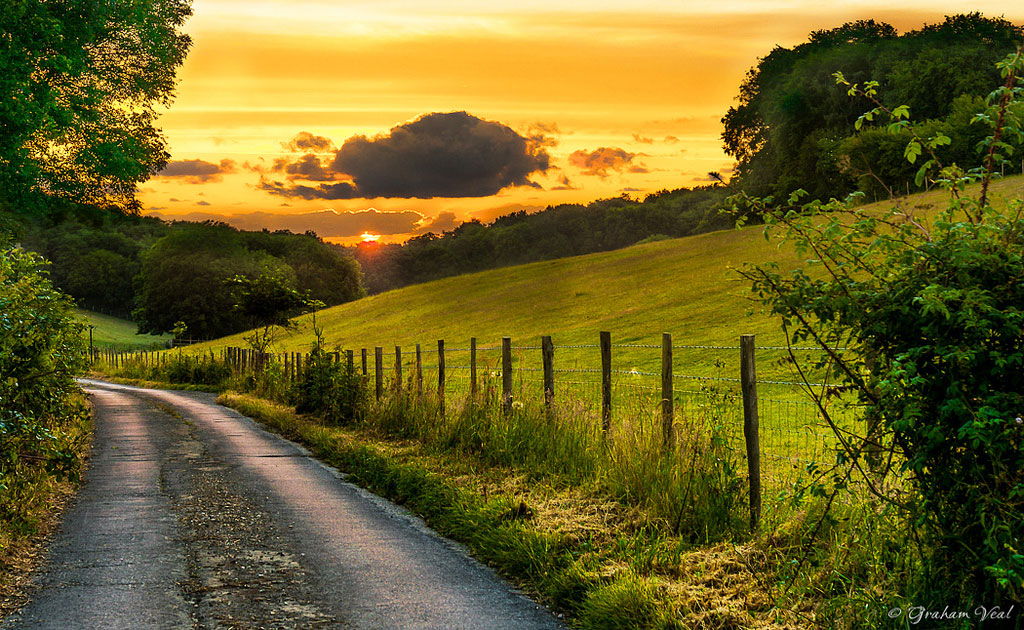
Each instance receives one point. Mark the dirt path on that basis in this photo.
(194, 517)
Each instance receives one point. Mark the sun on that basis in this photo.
(369, 238)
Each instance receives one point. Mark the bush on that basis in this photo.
(922, 316)
(330, 389)
(41, 351)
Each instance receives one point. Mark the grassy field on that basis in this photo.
(119, 333)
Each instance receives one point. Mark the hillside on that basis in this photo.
(683, 286)
(119, 333)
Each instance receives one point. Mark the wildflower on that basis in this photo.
(516, 404)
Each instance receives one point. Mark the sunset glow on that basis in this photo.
(611, 98)
(366, 237)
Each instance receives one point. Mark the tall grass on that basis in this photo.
(693, 488)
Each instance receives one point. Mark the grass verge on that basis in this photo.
(32, 500)
(600, 562)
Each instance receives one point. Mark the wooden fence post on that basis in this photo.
(398, 369)
(748, 384)
(440, 375)
(547, 352)
(378, 370)
(419, 372)
(667, 394)
(506, 374)
(363, 353)
(606, 382)
(472, 368)
(350, 363)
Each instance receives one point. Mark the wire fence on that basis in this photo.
(620, 387)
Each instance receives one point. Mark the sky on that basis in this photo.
(388, 118)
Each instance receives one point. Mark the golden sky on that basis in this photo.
(583, 100)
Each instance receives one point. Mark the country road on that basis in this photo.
(192, 516)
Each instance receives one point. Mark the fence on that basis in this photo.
(766, 419)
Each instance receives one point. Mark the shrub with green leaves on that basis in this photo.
(921, 314)
(41, 351)
(328, 388)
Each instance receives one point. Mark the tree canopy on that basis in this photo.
(792, 127)
(80, 83)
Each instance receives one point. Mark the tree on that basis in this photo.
(920, 317)
(80, 83)
(784, 130)
(268, 302)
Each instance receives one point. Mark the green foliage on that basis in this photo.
(95, 257)
(41, 351)
(929, 310)
(328, 388)
(81, 82)
(191, 369)
(785, 131)
(267, 302)
(192, 275)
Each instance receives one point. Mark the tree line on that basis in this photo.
(555, 232)
(160, 274)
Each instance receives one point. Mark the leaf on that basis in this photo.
(912, 151)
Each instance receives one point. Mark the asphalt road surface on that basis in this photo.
(192, 516)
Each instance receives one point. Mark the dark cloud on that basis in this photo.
(602, 160)
(174, 199)
(326, 223)
(202, 203)
(642, 139)
(342, 190)
(639, 168)
(198, 171)
(437, 155)
(443, 222)
(629, 190)
(671, 140)
(541, 135)
(308, 167)
(305, 141)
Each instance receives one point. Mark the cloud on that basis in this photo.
(197, 171)
(671, 140)
(541, 134)
(437, 155)
(326, 223)
(639, 168)
(564, 184)
(342, 190)
(443, 222)
(642, 139)
(604, 159)
(305, 141)
(202, 203)
(307, 167)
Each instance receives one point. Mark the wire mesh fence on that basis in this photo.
(627, 387)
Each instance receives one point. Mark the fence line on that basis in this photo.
(796, 439)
